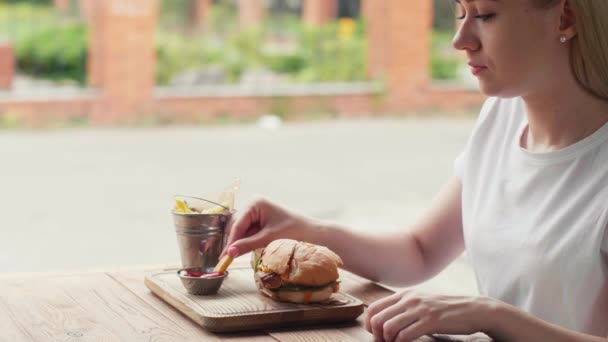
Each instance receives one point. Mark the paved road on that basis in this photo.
(95, 198)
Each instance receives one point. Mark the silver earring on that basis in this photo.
(563, 39)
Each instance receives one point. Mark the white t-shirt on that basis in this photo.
(535, 223)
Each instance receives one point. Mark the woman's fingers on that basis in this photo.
(232, 251)
(240, 226)
(392, 320)
(250, 243)
(392, 315)
(414, 331)
(376, 307)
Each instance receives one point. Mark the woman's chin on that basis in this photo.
(494, 90)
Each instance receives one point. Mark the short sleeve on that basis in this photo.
(604, 222)
(604, 245)
(459, 165)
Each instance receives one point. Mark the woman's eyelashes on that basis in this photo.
(482, 17)
(485, 17)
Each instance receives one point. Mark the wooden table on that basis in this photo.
(116, 306)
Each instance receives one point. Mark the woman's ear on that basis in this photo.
(567, 26)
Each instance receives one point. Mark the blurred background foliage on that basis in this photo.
(48, 45)
(36, 2)
(282, 44)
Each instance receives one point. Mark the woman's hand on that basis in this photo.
(408, 315)
(261, 223)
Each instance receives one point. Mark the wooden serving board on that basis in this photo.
(239, 305)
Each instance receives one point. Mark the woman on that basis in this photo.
(528, 199)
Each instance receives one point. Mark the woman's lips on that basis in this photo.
(477, 69)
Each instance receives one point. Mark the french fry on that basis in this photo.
(222, 266)
(218, 209)
(181, 207)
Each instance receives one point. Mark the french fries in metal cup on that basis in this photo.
(200, 226)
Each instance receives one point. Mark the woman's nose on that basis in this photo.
(465, 38)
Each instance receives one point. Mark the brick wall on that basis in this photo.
(7, 65)
(61, 5)
(251, 12)
(319, 12)
(90, 11)
(86, 8)
(200, 12)
(203, 108)
(399, 35)
(377, 33)
(453, 100)
(123, 56)
(196, 109)
(37, 113)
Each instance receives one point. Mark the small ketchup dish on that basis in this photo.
(199, 281)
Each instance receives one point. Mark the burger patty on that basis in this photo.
(270, 280)
(273, 281)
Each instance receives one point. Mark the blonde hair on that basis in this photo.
(589, 52)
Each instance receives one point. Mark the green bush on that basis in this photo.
(36, 2)
(174, 55)
(444, 64)
(223, 18)
(22, 19)
(329, 58)
(57, 52)
(173, 13)
(320, 55)
(443, 68)
(286, 64)
(47, 47)
(44, 46)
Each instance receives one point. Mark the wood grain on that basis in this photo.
(48, 311)
(367, 291)
(336, 332)
(10, 327)
(115, 306)
(134, 282)
(90, 307)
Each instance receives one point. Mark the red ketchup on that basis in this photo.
(205, 275)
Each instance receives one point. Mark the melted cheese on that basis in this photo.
(263, 268)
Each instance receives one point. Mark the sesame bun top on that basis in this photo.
(301, 263)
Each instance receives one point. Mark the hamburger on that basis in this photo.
(296, 272)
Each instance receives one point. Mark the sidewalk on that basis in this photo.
(95, 198)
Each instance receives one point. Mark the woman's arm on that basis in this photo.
(507, 323)
(396, 258)
(403, 258)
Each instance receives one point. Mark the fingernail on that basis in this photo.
(233, 251)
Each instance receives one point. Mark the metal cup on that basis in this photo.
(200, 238)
